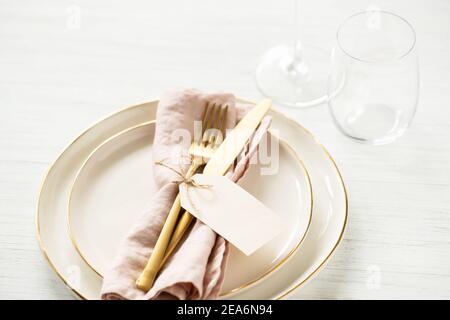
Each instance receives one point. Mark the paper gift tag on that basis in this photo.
(230, 211)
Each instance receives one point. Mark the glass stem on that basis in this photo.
(299, 67)
(298, 52)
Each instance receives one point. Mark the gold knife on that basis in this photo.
(236, 140)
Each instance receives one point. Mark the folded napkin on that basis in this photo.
(196, 269)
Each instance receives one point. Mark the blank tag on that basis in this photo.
(230, 211)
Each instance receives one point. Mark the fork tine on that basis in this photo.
(206, 115)
(224, 121)
(222, 125)
(205, 112)
(212, 119)
(216, 135)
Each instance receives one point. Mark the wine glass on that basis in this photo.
(296, 75)
(373, 86)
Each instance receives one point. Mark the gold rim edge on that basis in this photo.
(69, 225)
(278, 297)
(286, 258)
(289, 291)
(50, 167)
(234, 290)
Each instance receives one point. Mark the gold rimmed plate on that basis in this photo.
(115, 184)
(324, 234)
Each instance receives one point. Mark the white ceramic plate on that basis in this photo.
(116, 182)
(325, 232)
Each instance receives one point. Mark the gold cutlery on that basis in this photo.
(221, 161)
(201, 150)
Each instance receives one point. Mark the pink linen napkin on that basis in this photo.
(196, 269)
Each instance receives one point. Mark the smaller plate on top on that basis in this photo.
(115, 184)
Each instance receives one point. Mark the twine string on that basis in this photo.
(184, 179)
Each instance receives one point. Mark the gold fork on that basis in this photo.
(201, 150)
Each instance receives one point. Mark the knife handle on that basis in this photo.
(182, 226)
(148, 275)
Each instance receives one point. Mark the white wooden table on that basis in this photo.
(60, 71)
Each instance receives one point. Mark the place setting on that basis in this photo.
(261, 204)
(204, 195)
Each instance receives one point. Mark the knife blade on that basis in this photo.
(236, 140)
